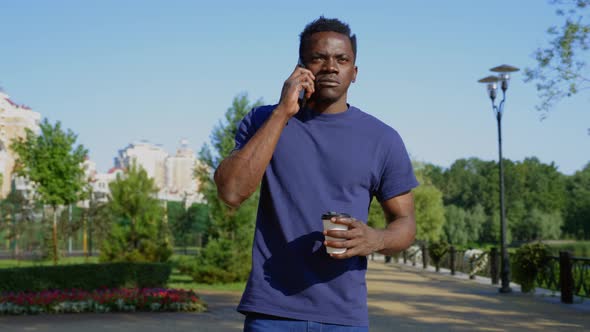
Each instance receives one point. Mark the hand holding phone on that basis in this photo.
(302, 100)
(296, 89)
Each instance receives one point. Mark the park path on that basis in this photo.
(401, 298)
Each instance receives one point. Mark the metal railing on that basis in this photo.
(565, 274)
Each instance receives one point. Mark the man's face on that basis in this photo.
(329, 56)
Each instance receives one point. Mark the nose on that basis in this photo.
(330, 65)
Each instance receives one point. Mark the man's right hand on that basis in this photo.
(300, 79)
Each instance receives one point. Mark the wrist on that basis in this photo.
(282, 112)
(380, 243)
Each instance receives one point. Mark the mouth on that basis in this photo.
(327, 82)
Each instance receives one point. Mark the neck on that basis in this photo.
(329, 107)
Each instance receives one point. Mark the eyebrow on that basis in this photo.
(338, 55)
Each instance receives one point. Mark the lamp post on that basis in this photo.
(503, 77)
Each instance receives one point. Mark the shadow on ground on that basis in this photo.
(406, 299)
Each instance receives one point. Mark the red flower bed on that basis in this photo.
(102, 300)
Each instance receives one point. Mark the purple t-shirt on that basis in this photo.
(322, 162)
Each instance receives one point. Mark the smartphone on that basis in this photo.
(302, 99)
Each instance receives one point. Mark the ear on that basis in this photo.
(356, 70)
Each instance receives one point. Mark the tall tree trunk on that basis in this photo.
(70, 233)
(85, 238)
(133, 235)
(54, 235)
(89, 236)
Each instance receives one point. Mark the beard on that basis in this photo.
(324, 99)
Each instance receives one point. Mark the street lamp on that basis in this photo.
(503, 77)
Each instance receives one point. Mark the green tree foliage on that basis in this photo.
(463, 227)
(227, 255)
(188, 225)
(561, 67)
(16, 215)
(53, 163)
(99, 220)
(577, 210)
(537, 185)
(469, 182)
(455, 228)
(472, 184)
(475, 220)
(138, 233)
(376, 219)
(491, 229)
(430, 212)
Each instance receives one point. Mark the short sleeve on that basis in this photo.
(245, 131)
(250, 124)
(397, 175)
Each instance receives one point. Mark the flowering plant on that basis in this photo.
(101, 300)
(477, 260)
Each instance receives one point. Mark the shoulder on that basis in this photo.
(262, 112)
(258, 115)
(381, 130)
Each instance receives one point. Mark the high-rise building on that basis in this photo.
(14, 119)
(149, 156)
(181, 183)
(173, 175)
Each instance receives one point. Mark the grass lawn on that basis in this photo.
(578, 248)
(182, 281)
(7, 263)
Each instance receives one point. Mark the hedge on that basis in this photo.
(85, 276)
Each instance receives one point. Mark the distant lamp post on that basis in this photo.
(492, 81)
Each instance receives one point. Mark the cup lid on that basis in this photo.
(332, 214)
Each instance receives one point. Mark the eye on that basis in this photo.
(316, 59)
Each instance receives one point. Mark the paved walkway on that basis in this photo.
(401, 298)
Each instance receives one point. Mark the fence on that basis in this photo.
(566, 274)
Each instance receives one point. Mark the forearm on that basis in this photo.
(238, 176)
(399, 235)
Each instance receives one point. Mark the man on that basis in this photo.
(326, 156)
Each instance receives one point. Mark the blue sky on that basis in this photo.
(119, 71)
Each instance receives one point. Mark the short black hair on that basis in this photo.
(323, 24)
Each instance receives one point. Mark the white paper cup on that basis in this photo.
(329, 225)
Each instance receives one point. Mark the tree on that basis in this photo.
(188, 223)
(430, 212)
(537, 225)
(98, 221)
(455, 228)
(227, 255)
(577, 209)
(472, 181)
(561, 70)
(475, 220)
(376, 219)
(16, 213)
(53, 163)
(491, 229)
(138, 233)
(540, 185)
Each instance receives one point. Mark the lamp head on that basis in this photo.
(492, 85)
(504, 75)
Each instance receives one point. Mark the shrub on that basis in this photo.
(527, 262)
(436, 252)
(85, 276)
(221, 262)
